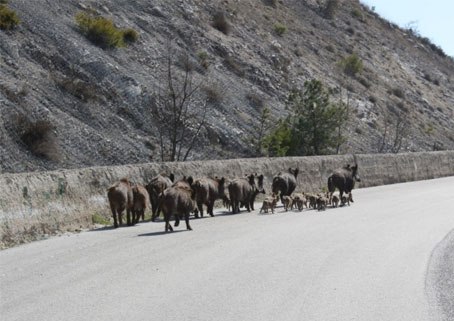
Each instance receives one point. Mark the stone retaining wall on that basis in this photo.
(42, 203)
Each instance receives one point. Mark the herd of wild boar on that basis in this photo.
(180, 198)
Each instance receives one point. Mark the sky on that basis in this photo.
(433, 19)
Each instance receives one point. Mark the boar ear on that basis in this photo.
(172, 177)
(190, 180)
(222, 180)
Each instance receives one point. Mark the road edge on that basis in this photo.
(439, 284)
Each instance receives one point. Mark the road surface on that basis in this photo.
(387, 257)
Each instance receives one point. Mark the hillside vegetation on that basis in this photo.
(71, 97)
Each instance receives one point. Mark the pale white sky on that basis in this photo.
(433, 19)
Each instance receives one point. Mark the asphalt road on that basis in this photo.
(383, 258)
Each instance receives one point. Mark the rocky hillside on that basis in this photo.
(68, 103)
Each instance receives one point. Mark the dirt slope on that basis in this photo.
(96, 103)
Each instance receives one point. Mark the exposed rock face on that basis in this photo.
(96, 102)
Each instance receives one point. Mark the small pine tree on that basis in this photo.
(314, 126)
(277, 143)
(260, 132)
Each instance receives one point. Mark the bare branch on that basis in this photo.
(194, 138)
(179, 119)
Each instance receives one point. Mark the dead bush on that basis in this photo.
(220, 22)
(255, 100)
(398, 92)
(214, 94)
(271, 3)
(13, 96)
(39, 137)
(234, 66)
(331, 9)
(77, 87)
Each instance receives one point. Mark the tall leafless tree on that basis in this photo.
(179, 109)
(396, 128)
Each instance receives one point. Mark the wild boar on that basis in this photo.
(155, 187)
(207, 191)
(120, 198)
(285, 183)
(244, 191)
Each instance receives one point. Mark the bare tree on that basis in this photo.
(401, 131)
(394, 132)
(384, 136)
(179, 110)
(342, 116)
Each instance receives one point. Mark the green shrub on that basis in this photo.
(130, 35)
(356, 13)
(8, 18)
(203, 59)
(280, 29)
(429, 129)
(103, 32)
(100, 219)
(351, 65)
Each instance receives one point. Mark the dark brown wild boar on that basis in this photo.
(184, 182)
(285, 183)
(343, 179)
(120, 198)
(177, 201)
(140, 202)
(155, 187)
(207, 191)
(244, 191)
